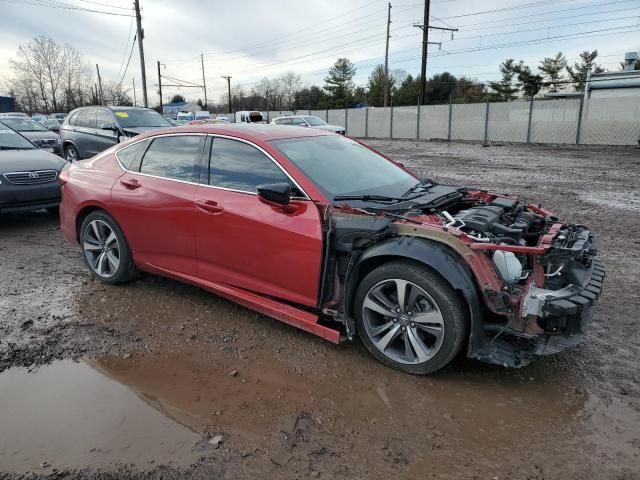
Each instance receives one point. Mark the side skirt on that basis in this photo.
(272, 308)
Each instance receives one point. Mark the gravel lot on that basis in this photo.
(162, 380)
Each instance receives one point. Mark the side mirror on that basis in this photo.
(274, 194)
(107, 126)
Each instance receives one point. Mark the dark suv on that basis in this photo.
(89, 130)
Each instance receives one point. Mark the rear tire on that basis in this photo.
(409, 317)
(71, 154)
(105, 249)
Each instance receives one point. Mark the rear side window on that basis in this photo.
(297, 121)
(87, 119)
(238, 166)
(284, 121)
(173, 157)
(131, 156)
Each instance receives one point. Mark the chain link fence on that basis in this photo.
(595, 121)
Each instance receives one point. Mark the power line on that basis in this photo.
(126, 47)
(104, 5)
(541, 3)
(129, 60)
(42, 3)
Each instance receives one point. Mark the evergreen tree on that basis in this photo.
(531, 84)
(339, 82)
(580, 70)
(505, 89)
(375, 85)
(552, 68)
(408, 91)
(177, 99)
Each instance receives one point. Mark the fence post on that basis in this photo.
(391, 124)
(309, 111)
(450, 117)
(326, 116)
(346, 121)
(529, 124)
(366, 123)
(486, 122)
(578, 130)
(418, 125)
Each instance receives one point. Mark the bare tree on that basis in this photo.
(114, 94)
(48, 76)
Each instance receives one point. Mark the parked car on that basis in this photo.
(38, 117)
(90, 130)
(14, 114)
(184, 116)
(258, 215)
(202, 115)
(60, 116)
(222, 118)
(308, 121)
(210, 121)
(52, 124)
(28, 174)
(249, 117)
(37, 133)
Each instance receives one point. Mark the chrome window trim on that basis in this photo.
(213, 135)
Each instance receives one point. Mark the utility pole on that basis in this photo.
(101, 95)
(386, 59)
(160, 84)
(135, 102)
(425, 44)
(136, 4)
(228, 78)
(204, 83)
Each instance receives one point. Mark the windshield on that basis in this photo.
(340, 166)
(140, 118)
(10, 140)
(23, 124)
(314, 121)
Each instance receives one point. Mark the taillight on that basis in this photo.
(63, 176)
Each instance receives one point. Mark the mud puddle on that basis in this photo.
(157, 408)
(68, 415)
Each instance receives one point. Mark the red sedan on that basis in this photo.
(321, 232)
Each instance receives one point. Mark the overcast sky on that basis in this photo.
(249, 39)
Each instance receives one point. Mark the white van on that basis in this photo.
(202, 115)
(249, 117)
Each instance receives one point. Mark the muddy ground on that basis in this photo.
(161, 380)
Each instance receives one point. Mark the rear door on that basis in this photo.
(83, 132)
(243, 242)
(153, 200)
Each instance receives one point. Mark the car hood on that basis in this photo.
(331, 128)
(24, 160)
(139, 130)
(40, 135)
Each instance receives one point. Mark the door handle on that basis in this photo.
(209, 206)
(131, 184)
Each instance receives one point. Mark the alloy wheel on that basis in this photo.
(71, 154)
(101, 248)
(403, 321)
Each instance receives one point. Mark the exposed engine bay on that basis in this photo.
(536, 278)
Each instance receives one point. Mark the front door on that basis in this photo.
(153, 200)
(245, 243)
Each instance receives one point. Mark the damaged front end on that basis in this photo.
(530, 280)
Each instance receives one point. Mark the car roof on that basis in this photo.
(261, 132)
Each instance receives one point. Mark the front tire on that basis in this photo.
(105, 249)
(409, 317)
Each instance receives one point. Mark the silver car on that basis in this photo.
(308, 121)
(34, 131)
(87, 131)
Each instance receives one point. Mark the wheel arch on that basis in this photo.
(438, 257)
(84, 213)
